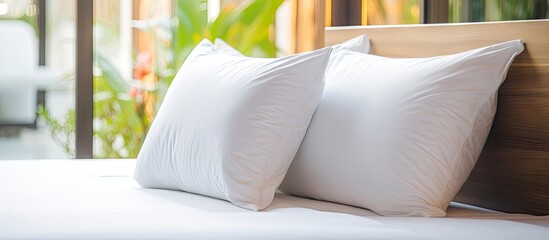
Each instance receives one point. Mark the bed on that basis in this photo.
(506, 196)
(98, 199)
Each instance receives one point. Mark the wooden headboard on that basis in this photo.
(512, 173)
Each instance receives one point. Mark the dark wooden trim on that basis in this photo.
(41, 20)
(346, 13)
(40, 101)
(434, 11)
(84, 79)
(540, 10)
(17, 125)
(339, 13)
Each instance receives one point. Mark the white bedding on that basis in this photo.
(98, 199)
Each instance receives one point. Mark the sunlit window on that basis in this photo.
(28, 84)
(376, 12)
(497, 10)
(372, 12)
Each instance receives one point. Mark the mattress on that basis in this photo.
(98, 199)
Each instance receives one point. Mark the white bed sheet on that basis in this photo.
(98, 199)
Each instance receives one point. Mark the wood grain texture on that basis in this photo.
(512, 173)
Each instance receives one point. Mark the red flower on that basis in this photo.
(143, 66)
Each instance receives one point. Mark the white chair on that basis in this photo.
(20, 75)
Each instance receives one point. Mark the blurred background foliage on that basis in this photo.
(496, 10)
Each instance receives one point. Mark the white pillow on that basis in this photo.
(230, 126)
(399, 136)
(358, 44)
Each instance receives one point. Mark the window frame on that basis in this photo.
(84, 80)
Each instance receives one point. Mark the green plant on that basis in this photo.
(62, 131)
(247, 27)
(118, 127)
